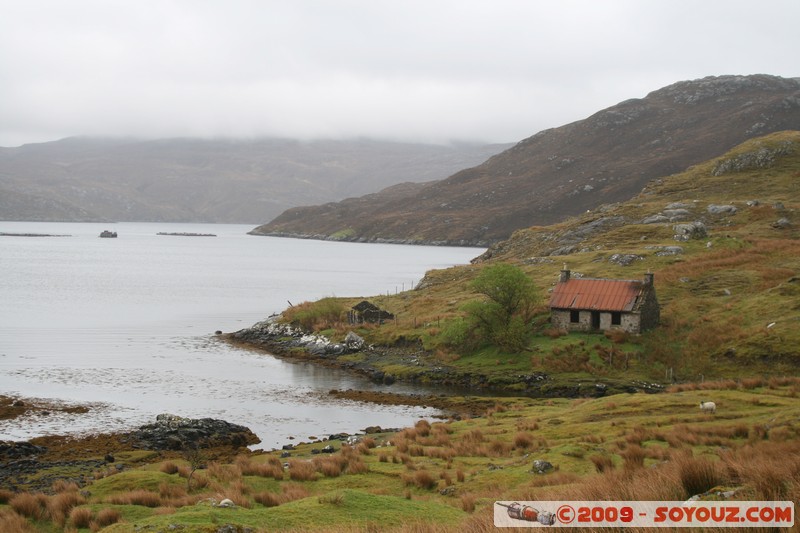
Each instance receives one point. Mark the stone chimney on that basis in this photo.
(648, 278)
(564, 275)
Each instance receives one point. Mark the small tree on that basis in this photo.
(195, 458)
(504, 318)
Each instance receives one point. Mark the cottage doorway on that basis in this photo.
(595, 319)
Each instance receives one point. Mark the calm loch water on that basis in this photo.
(127, 325)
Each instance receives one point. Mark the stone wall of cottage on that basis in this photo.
(650, 311)
(560, 319)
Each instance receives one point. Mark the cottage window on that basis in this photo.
(574, 316)
(616, 318)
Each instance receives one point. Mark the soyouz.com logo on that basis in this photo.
(643, 514)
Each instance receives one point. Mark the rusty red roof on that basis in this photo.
(596, 294)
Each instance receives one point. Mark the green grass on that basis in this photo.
(345, 507)
(717, 297)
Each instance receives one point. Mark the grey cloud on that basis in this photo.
(492, 70)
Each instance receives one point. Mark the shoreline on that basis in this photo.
(417, 365)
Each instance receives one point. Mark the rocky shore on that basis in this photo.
(35, 464)
(418, 365)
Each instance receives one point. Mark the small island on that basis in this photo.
(4, 234)
(183, 234)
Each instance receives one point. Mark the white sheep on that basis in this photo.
(708, 407)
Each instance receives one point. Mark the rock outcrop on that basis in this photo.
(170, 432)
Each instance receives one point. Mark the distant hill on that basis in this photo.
(560, 172)
(194, 180)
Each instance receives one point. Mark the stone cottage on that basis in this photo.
(584, 304)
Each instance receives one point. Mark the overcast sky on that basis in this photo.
(427, 70)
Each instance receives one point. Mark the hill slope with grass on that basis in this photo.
(728, 290)
(730, 311)
(561, 172)
(444, 476)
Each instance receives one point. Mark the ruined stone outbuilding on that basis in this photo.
(368, 312)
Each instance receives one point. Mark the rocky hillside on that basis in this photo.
(564, 171)
(192, 180)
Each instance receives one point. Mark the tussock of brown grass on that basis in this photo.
(436, 438)
(357, 465)
(224, 473)
(498, 448)
(29, 505)
(436, 452)
(170, 491)
(554, 333)
(185, 470)
(106, 517)
(697, 474)
(743, 384)
(527, 424)
(523, 441)
(62, 485)
(602, 463)
(421, 478)
(364, 449)
(416, 451)
(141, 497)
(300, 470)
(475, 435)
(80, 517)
(169, 467)
(633, 457)
(400, 443)
(330, 466)
(267, 499)
(771, 469)
(637, 435)
(468, 503)
(293, 491)
(11, 522)
(6, 495)
(272, 467)
(423, 428)
(556, 478)
(60, 505)
(238, 495)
